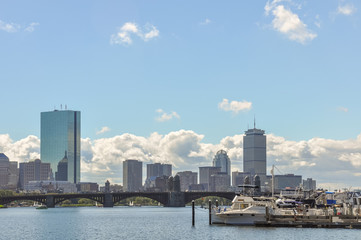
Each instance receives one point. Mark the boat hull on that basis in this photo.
(243, 219)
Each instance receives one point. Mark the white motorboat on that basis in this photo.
(245, 210)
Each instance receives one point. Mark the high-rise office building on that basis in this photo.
(34, 171)
(159, 170)
(60, 132)
(132, 175)
(205, 174)
(222, 160)
(254, 153)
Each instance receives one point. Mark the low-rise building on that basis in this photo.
(51, 187)
(87, 187)
(34, 171)
(9, 173)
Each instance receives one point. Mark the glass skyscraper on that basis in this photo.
(60, 133)
(222, 160)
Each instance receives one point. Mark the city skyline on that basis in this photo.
(156, 86)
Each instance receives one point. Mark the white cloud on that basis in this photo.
(353, 158)
(166, 116)
(131, 29)
(347, 9)
(31, 27)
(22, 150)
(103, 130)
(234, 106)
(333, 163)
(153, 32)
(288, 23)
(14, 27)
(317, 21)
(342, 109)
(205, 22)
(9, 27)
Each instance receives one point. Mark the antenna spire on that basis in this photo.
(254, 122)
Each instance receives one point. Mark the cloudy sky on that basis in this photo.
(174, 82)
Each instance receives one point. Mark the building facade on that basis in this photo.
(87, 187)
(219, 182)
(238, 178)
(254, 153)
(222, 160)
(309, 184)
(205, 174)
(9, 173)
(62, 173)
(60, 132)
(287, 181)
(187, 178)
(159, 170)
(132, 175)
(34, 171)
(50, 186)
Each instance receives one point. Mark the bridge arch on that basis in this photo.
(189, 196)
(60, 199)
(10, 199)
(160, 197)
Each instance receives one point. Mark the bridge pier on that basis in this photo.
(108, 200)
(50, 203)
(176, 199)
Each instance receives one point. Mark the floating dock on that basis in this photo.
(345, 221)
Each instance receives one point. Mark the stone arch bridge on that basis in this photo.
(168, 199)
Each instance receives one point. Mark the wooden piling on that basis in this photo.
(210, 211)
(192, 212)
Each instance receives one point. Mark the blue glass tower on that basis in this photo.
(60, 132)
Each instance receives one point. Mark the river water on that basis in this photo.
(140, 223)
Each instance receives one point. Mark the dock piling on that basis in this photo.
(210, 211)
(192, 212)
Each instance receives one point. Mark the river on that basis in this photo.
(85, 223)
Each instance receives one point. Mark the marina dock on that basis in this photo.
(344, 221)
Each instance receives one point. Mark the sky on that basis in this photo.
(175, 81)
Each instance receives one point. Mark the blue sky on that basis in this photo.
(295, 65)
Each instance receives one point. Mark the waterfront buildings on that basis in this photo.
(132, 175)
(287, 181)
(112, 188)
(34, 171)
(205, 174)
(51, 186)
(87, 187)
(9, 173)
(187, 178)
(254, 153)
(60, 133)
